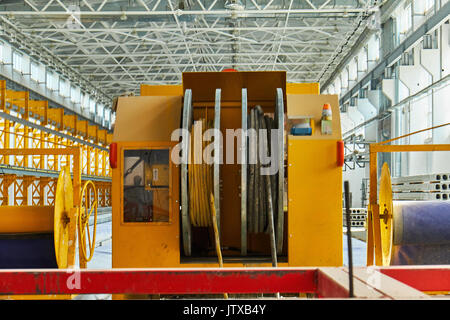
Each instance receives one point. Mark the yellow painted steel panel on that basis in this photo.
(302, 88)
(161, 90)
(144, 244)
(22, 219)
(314, 203)
(150, 118)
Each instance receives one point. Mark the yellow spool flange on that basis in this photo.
(386, 215)
(63, 217)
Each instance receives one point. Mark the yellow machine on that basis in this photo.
(46, 236)
(161, 210)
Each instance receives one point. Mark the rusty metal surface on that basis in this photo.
(162, 281)
(328, 282)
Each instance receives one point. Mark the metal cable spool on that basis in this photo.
(265, 192)
(41, 244)
(198, 181)
(254, 187)
(412, 232)
(259, 188)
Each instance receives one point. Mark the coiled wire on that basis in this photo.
(262, 195)
(200, 177)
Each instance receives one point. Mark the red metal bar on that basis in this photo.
(423, 278)
(162, 281)
(326, 282)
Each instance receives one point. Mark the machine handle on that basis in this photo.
(340, 153)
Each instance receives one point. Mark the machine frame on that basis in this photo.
(136, 247)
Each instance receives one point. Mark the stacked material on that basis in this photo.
(424, 187)
(432, 187)
(358, 217)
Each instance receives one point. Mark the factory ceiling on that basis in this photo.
(117, 45)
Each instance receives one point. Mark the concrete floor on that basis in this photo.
(358, 252)
(102, 258)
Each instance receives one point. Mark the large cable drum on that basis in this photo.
(199, 178)
(263, 189)
(39, 237)
(412, 232)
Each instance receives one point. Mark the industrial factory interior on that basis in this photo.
(238, 152)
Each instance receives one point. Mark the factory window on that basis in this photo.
(337, 86)
(404, 22)
(84, 101)
(52, 81)
(146, 185)
(107, 115)
(428, 5)
(107, 118)
(75, 94)
(34, 71)
(17, 62)
(92, 106)
(100, 110)
(64, 88)
(363, 59)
